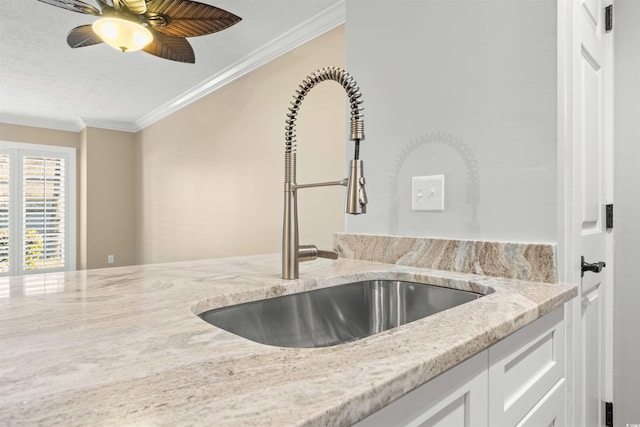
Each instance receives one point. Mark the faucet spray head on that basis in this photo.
(356, 194)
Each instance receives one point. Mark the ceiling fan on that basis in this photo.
(158, 27)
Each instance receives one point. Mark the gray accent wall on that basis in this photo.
(627, 213)
(461, 88)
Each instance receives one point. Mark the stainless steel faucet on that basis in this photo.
(356, 203)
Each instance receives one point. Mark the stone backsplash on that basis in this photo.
(525, 261)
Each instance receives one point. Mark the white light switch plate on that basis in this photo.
(427, 193)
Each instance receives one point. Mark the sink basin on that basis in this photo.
(335, 315)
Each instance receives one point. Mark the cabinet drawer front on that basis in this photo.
(523, 368)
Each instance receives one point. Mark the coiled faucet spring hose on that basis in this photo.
(357, 123)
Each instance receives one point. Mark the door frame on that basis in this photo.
(569, 245)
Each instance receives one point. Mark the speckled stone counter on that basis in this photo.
(123, 346)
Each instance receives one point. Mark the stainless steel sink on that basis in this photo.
(335, 315)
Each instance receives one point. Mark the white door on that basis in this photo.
(592, 142)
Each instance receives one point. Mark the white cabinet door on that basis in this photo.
(523, 368)
(455, 398)
(550, 411)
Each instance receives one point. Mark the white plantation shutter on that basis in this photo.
(43, 213)
(4, 211)
(37, 209)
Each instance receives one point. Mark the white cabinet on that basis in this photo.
(519, 381)
(523, 369)
(550, 410)
(457, 397)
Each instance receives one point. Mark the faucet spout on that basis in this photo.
(356, 200)
(356, 194)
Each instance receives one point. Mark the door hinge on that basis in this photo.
(608, 18)
(609, 217)
(608, 419)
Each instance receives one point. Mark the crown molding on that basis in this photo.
(315, 26)
(110, 125)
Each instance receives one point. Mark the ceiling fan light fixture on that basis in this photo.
(122, 34)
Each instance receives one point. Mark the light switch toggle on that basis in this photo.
(427, 193)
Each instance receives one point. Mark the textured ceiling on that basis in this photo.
(43, 82)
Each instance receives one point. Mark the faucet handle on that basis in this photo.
(311, 252)
(362, 193)
(327, 254)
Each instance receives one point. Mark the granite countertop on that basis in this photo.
(124, 345)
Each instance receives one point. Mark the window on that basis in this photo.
(4, 212)
(37, 209)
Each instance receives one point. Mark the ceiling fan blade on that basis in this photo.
(136, 6)
(118, 4)
(188, 18)
(82, 36)
(172, 48)
(74, 5)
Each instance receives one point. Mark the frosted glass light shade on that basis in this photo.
(122, 34)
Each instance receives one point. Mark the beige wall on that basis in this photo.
(108, 199)
(33, 135)
(209, 177)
